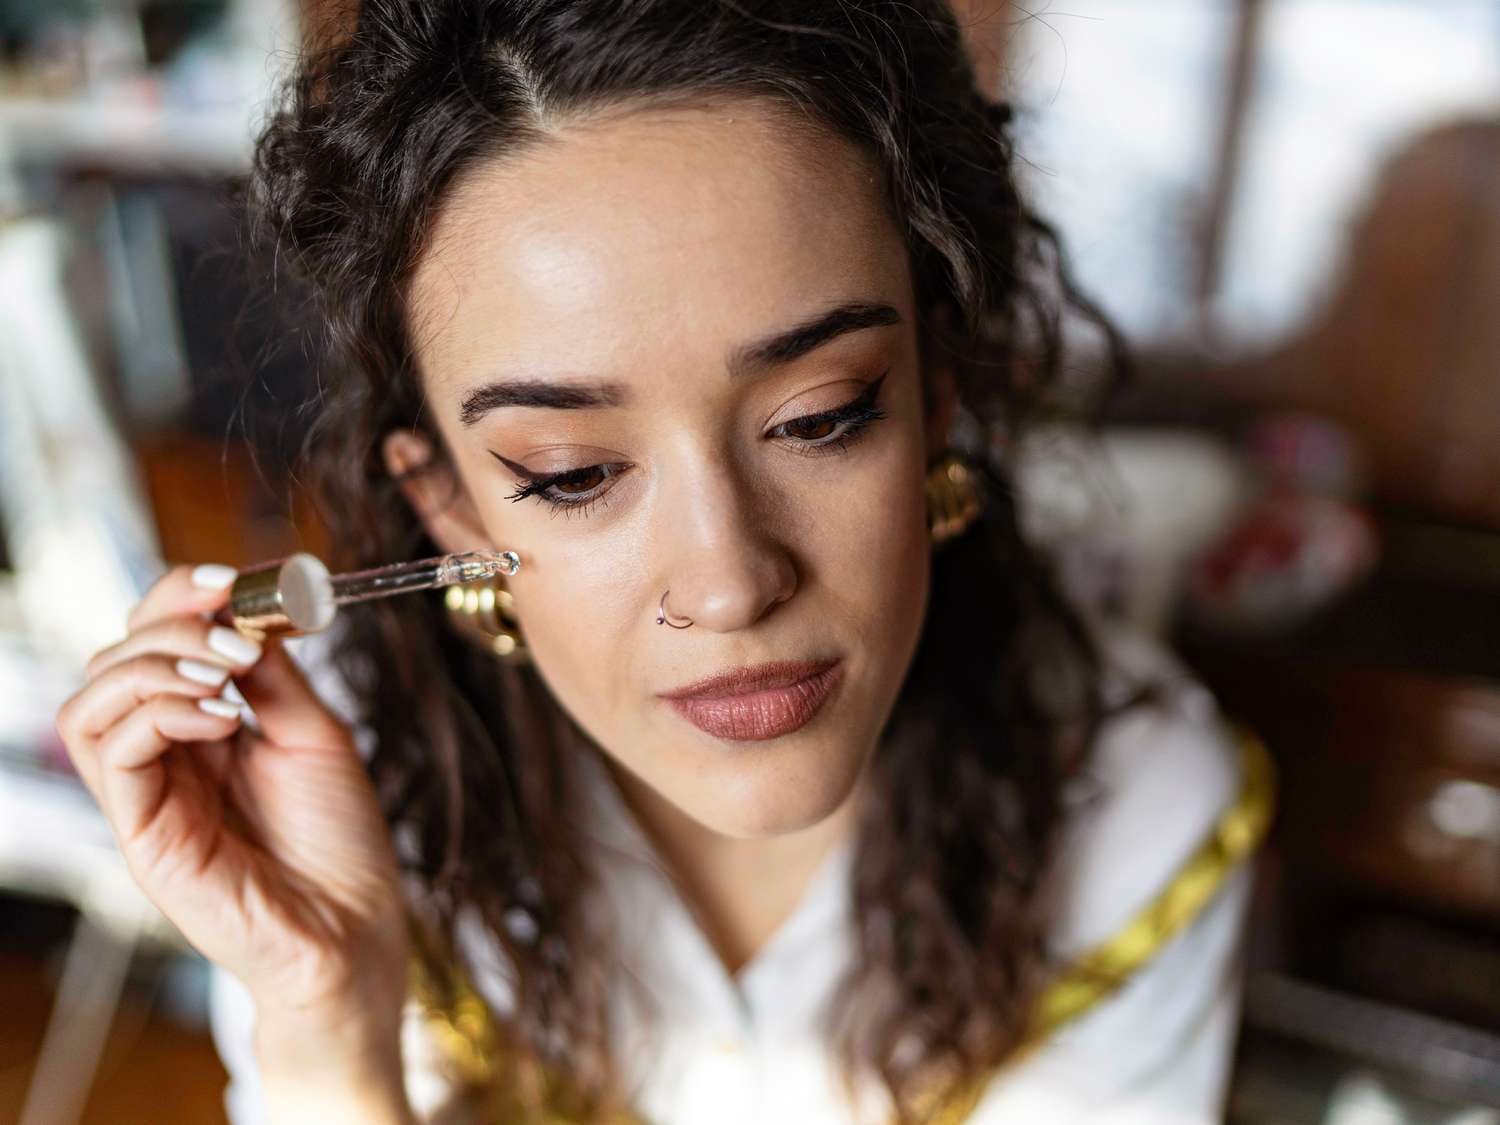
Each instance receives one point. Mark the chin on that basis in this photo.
(775, 793)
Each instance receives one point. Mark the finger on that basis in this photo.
(81, 751)
(184, 588)
(118, 689)
(132, 777)
(289, 711)
(179, 636)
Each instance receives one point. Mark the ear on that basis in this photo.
(433, 490)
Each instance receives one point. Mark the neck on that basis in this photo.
(740, 890)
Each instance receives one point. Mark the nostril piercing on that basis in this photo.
(661, 618)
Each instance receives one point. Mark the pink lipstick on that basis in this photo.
(760, 702)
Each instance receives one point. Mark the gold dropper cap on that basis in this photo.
(283, 597)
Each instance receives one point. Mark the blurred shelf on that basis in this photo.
(1310, 1055)
(132, 138)
(1431, 606)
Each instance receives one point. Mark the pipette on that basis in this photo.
(297, 594)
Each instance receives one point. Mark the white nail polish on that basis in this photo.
(204, 673)
(220, 707)
(213, 576)
(233, 645)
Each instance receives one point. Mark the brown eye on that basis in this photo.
(805, 426)
(584, 480)
(574, 491)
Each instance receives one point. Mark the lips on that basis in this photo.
(749, 711)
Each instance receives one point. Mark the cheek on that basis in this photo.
(870, 534)
(584, 641)
(578, 600)
(880, 563)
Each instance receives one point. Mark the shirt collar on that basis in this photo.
(662, 945)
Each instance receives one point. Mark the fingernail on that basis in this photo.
(212, 674)
(234, 645)
(220, 707)
(213, 576)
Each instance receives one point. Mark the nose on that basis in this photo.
(725, 567)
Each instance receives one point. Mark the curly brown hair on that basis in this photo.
(1003, 699)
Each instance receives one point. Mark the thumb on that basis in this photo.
(290, 712)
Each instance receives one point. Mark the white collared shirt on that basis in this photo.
(703, 1047)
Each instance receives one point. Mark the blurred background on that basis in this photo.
(1291, 206)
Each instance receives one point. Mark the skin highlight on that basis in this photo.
(643, 253)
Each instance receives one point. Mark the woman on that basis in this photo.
(748, 296)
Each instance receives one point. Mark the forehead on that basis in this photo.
(649, 232)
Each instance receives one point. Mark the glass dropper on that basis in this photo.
(297, 594)
(422, 574)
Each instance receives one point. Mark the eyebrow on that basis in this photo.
(742, 361)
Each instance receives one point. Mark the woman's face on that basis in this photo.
(619, 283)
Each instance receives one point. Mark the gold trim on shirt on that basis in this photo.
(1101, 971)
(463, 1027)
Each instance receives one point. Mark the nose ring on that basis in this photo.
(661, 618)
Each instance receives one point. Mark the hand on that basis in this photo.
(267, 850)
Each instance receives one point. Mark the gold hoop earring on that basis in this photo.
(953, 497)
(483, 613)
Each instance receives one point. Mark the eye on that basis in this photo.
(830, 431)
(833, 431)
(575, 489)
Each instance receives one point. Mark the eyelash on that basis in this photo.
(856, 415)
